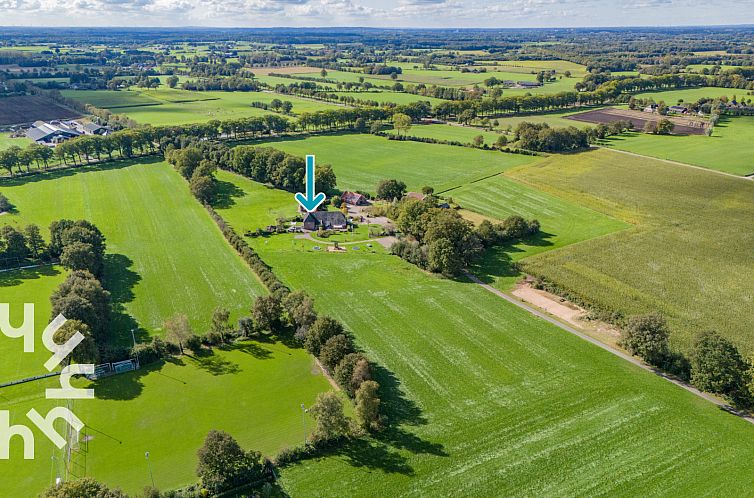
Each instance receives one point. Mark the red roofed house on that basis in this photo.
(354, 199)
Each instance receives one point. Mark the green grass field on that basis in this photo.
(728, 149)
(487, 400)
(671, 97)
(391, 97)
(164, 106)
(361, 161)
(689, 255)
(563, 223)
(253, 390)
(465, 134)
(553, 119)
(165, 254)
(6, 141)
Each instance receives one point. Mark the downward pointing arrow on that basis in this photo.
(310, 202)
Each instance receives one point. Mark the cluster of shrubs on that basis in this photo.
(190, 162)
(81, 298)
(714, 364)
(441, 241)
(540, 137)
(272, 166)
(20, 245)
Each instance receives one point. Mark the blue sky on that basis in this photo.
(396, 13)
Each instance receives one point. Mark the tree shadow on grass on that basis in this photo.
(207, 360)
(12, 278)
(120, 281)
(371, 454)
(496, 262)
(401, 412)
(250, 348)
(225, 194)
(125, 386)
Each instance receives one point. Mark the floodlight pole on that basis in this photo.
(149, 466)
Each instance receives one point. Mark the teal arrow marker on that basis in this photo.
(310, 201)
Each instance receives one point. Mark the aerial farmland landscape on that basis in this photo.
(374, 249)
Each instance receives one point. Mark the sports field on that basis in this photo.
(728, 149)
(689, 255)
(361, 161)
(256, 390)
(164, 257)
(489, 400)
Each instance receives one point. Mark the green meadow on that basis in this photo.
(672, 97)
(562, 222)
(6, 141)
(165, 255)
(361, 161)
(728, 149)
(689, 255)
(163, 258)
(486, 399)
(256, 390)
(172, 107)
(464, 134)
(390, 97)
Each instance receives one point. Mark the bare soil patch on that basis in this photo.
(683, 125)
(568, 312)
(29, 108)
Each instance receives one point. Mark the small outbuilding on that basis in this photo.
(354, 198)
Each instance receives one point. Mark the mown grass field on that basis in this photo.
(689, 255)
(165, 255)
(253, 390)
(172, 106)
(562, 222)
(671, 97)
(553, 119)
(464, 134)
(728, 149)
(391, 97)
(6, 141)
(361, 161)
(487, 400)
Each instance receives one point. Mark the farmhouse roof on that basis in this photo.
(326, 218)
(353, 198)
(41, 130)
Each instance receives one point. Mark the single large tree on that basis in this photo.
(646, 336)
(223, 464)
(716, 365)
(331, 421)
(178, 330)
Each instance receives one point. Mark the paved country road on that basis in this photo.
(620, 354)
